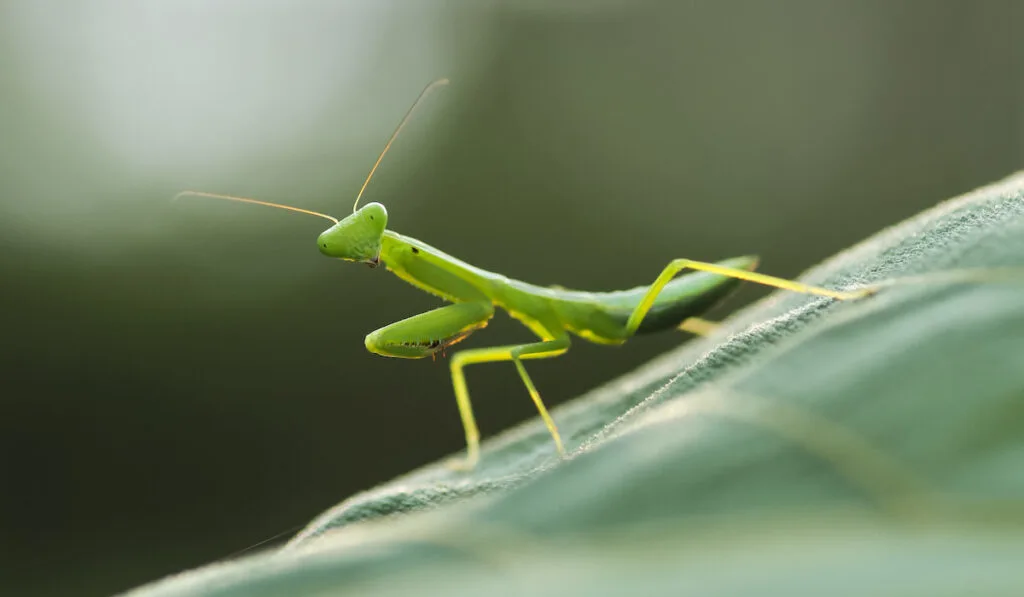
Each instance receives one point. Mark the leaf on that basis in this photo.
(811, 447)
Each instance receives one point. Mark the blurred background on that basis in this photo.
(182, 380)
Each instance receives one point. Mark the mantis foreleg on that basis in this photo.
(428, 333)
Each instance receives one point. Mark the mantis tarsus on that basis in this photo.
(550, 313)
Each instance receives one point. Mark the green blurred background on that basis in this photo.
(182, 380)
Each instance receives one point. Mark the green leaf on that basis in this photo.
(811, 447)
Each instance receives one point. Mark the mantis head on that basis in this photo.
(356, 237)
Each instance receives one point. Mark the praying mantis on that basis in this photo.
(550, 313)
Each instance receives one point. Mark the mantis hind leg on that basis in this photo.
(678, 265)
(516, 353)
(698, 326)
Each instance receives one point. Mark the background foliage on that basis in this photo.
(181, 381)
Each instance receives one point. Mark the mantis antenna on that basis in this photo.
(255, 202)
(398, 129)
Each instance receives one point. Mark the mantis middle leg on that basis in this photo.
(516, 353)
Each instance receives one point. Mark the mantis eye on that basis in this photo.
(376, 213)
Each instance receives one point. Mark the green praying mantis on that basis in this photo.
(551, 313)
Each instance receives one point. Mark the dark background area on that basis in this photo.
(182, 380)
